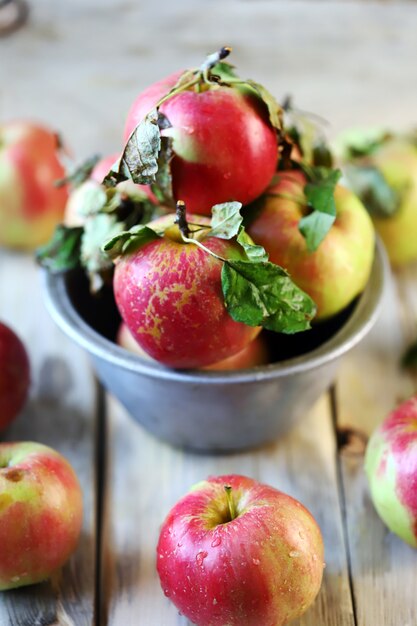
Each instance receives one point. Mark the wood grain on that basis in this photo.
(60, 413)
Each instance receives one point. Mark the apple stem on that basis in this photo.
(181, 220)
(230, 502)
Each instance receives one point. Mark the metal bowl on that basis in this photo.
(213, 411)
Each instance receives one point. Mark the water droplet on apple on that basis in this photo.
(200, 558)
(294, 554)
(216, 542)
(227, 175)
(256, 561)
(167, 593)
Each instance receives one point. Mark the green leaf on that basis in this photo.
(274, 109)
(263, 294)
(226, 220)
(97, 230)
(139, 160)
(409, 360)
(62, 252)
(254, 252)
(319, 193)
(128, 241)
(89, 198)
(225, 70)
(80, 174)
(369, 184)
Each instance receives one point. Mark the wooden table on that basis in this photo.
(77, 66)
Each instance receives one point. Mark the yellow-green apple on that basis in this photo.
(252, 355)
(40, 513)
(224, 145)
(169, 294)
(31, 204)
(338, 270)
(14, 375)
(235, 551)
(391, 468)
(388, 175)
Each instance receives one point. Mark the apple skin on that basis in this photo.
(391, 468)
(40, 513)
(224, 146)
(252, 355)
(339, 269)
(262, 568)
(397, 161)
(170, 297)
(14, 376)
(30, 204)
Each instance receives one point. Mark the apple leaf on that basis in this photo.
(226, 220)
(139, 160)
(370, 185)
(263, 294)
(90, 198)
(274, 109)
(162, 187)
(62, 252)
(97, 230)
(319, 193)
(225, 70)
(129, 241)
(409, 360)
(254, 252)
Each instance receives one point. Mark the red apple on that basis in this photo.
(14, 375)
(30, 204)
(234, 551)
(252, 355)
(40, 513)
(224, 145)
(339, 269)
(169, 294)
(391, 467)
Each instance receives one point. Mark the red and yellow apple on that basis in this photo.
(224, 145)
(14, 376)
(339, 269)
(237, 552)
(169, 294)
(30, 203)
(252, 355)
(391, 468)
(40, 513)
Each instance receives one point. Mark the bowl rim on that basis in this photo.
(361, 320)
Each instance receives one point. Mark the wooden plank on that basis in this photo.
(370, 384)
(146, 477)
(60, 413)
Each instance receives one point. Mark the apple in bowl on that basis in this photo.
(40, 513)
(31, 205)
(336, 270)
(391, 468)
(235, 551)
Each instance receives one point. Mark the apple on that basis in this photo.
(339, 269)
(169, 294)
(252, 355)
(396, 160)
(224, 146)
(14, 375)
(30, 204)
(235, 551)
(40, 513)
(391, 468)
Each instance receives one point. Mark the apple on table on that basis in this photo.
(40, 513)
(235, 551)
(391, 468)
(31, 205)
(14, 375)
